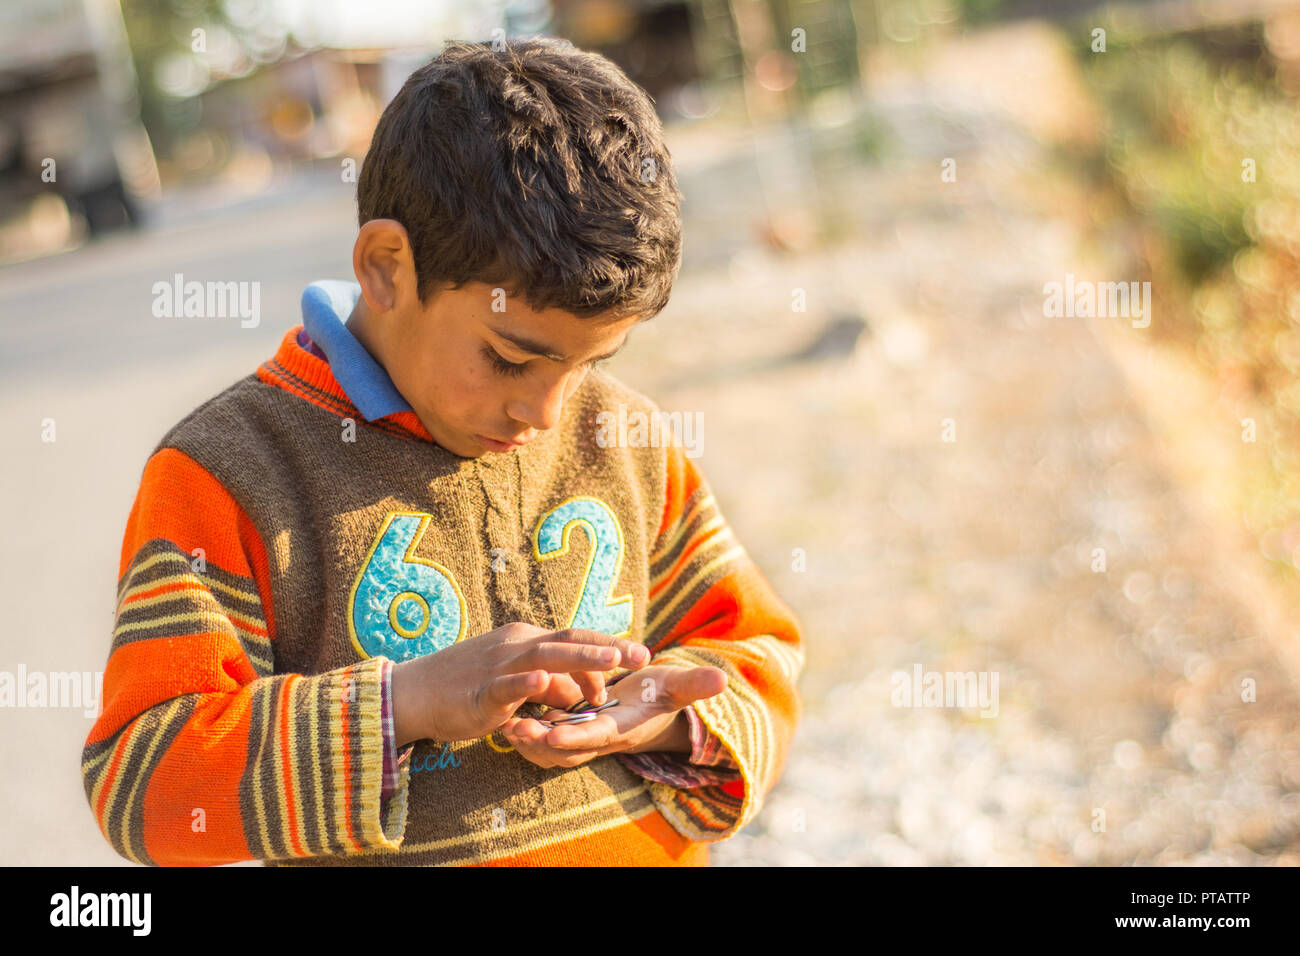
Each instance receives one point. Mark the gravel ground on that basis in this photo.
(1121, 735)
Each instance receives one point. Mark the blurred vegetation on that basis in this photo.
(975, 12)
(174, 64)
(1202, 151)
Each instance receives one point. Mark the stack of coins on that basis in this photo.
(581, 713)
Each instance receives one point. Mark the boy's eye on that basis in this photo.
(501, 365)
(515, 369)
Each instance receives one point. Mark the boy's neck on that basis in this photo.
(361, 323)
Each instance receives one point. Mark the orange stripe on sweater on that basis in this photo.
(314, 372)
(246, 624)
(347, 776)
(110, 776)
(411, 422)
(737, 606)
(271, 375)
(164, 589)
(252, 545)
(218, 730)
(243, 622)
(694, 545)
(647, 841)
(212, 662)
(180, 501)
(683, 479)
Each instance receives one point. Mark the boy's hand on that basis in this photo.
(563, 691)
(649, 704)
(467, 690)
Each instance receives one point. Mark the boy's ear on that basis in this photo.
(384, 265)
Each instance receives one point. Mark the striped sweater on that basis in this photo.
(282, 551)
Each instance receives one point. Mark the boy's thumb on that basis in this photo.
(686, 684)
(510, 689)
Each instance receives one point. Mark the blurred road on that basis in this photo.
(79, 344)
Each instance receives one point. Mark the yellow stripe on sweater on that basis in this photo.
(141, 778)
(313, 723)
(682, 590)
(188, 574)
(259, 800)
(679, 527)
(573, 813)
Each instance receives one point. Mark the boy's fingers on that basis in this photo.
(633, 654)
(529, 731)
(564, 658)
(592, 685)
(523, 736)
(682, 685)
(592, 735)
(563, 691)
(535, 740)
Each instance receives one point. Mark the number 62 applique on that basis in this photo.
(402, 606)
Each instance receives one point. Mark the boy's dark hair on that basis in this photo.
(539, 168)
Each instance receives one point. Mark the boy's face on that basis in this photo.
(450, 358)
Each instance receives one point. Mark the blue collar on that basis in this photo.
(326, 306)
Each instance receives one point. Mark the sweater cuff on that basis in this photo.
(395, 760)
(706, 747)
(390, 742)
(350, 779)
(675, 770)
(709, 763)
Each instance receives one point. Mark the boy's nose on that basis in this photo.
(541, 409)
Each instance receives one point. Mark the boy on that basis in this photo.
(353, 582)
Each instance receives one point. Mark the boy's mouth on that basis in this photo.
(493, 445)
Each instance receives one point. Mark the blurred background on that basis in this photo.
(1096, 516)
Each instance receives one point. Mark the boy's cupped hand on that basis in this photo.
(650, 701)
(470, 689)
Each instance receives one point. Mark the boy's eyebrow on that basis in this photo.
(526, 344)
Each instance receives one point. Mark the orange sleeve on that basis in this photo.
(202, 753)
(711, 606)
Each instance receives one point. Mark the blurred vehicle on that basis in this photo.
(69, 113)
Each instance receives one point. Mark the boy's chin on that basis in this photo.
(469, 448)
(460, 445)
